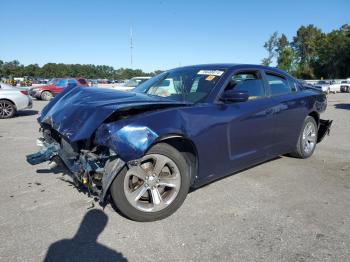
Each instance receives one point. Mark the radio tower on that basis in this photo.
(131, 46)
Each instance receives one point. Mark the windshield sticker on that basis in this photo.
(209, 78)
(210, 72)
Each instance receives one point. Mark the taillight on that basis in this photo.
(24, 92)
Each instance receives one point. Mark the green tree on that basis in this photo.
(285, 54)
(305, 45)
(270, 46)
(285, 59)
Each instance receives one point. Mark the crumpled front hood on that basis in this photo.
(77, 112)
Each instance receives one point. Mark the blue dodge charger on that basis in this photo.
(181, 129)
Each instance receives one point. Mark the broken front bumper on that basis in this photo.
(81, 167)
(46, 153)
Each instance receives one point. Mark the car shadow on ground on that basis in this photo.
(27, 113)
(342, 106)
(84, 246)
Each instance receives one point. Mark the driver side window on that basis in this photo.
(249, 82)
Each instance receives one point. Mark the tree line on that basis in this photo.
(311, 54)
(51, 70)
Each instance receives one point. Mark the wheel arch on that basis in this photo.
(9, 100)
(316, 116)
(186, 147)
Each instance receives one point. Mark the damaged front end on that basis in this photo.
(82, 161)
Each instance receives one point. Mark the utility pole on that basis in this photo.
(131, 46)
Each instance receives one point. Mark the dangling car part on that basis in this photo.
(184, 128)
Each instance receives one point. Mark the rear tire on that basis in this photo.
(307, 139)
(46, 95)
(143, 194)
(7, 109)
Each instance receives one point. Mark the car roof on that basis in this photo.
(232, 66)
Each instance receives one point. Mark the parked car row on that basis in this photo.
(333, 86)
(24, 81)
(56, 86)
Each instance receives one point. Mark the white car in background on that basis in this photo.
(132, 83)
(335, 86)
(13, 99)
(345, 86)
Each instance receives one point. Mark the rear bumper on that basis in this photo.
(35, 94)
(30, 103)
(324, 129)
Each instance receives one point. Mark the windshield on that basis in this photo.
(321, 82)
(184, 84)
(133, 82)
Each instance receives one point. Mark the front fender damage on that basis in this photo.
(129, 142)
(122, 146)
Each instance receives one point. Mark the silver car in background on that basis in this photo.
(13, 99)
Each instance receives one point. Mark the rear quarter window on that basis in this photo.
(279, 85)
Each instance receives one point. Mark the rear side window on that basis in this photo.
(278, 85)
(248, 81)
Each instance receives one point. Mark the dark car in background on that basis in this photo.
(56, 86)
(182, 129)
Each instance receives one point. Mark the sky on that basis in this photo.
(166, 34)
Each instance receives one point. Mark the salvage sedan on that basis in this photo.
(181, 129)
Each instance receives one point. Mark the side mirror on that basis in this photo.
(234, 96)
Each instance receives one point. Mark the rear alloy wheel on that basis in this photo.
(46, 95)
(7, 109)
(155, 188)
(307, 139)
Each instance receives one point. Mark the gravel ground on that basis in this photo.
(283, 210)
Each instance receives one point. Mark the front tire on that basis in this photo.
(307, 139)
(7, 109)
(155, 188)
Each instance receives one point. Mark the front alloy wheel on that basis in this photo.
(153, 185)
(155, 188)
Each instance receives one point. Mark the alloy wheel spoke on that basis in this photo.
(168, 181)
(160, 163)
(138, 193)
(139, 172)
(156, 197)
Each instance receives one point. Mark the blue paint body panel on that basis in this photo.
(227, 136)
